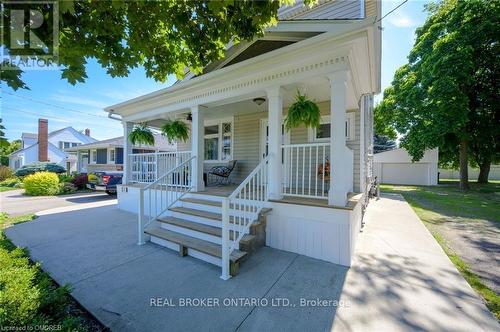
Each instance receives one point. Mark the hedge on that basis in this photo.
(39, 167)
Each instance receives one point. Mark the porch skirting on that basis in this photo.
(325, 233)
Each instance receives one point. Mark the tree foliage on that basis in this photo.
(447, 94)
(164, 37)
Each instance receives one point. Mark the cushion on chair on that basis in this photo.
(221, 171)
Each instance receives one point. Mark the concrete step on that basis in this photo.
(200, 231)
(187, 245)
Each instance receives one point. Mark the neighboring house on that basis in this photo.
(396, 167)
(282, 181)
(45, 146)
(107, 155)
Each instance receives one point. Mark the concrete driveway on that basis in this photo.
(15, 203)
(400, 281)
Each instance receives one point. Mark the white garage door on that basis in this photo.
(405, 173)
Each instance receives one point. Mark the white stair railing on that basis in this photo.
(241, 209)
(147, 167)
(306, 170)
(162, 194)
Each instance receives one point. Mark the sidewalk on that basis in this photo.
(402, 280)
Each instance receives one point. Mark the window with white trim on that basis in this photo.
(111, 156)
(93, 158)
(218, 140)
(66, 145)
(322, 134)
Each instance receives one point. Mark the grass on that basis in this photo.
(4, 188)
(29, 299)
(437, 204)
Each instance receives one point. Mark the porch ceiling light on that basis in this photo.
(259, 100)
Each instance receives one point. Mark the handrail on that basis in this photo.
(163, 193)
(243, 205)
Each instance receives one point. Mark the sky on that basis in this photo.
(81, 106)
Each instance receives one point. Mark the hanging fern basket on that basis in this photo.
(141, 134)
(175, 130)
(303, 112)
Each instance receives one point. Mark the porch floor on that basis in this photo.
(226, 190)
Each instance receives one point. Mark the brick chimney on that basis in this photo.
(87, 132)
(43, 143)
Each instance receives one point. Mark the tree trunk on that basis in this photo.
(484, 172)
(464, 172)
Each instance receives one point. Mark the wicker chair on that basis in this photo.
(221, 174)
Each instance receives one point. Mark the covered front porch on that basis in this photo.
(301, 162)
(298, 190)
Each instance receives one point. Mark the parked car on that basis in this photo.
(104, 181)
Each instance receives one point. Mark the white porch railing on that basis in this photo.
(162, 194)
(306, 169)
(146, 167)
(240, 209)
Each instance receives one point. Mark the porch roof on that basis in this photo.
(345, 44)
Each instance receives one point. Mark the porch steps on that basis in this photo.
(194, 227)
(201, 228)
(187, 243)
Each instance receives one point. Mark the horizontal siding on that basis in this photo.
(246, 143)
(370, 8)
(341, 9)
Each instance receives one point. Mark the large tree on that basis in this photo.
(447, 96)
(165, 37)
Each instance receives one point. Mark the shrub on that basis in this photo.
(5, 173)
(29, 298)
(41, 183)
(66, 188)
(65, 178)
(80, 181)
(39, 167)
(13, 182)
(92, 178)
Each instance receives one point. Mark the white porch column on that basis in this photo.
(197, 148)
(341, 157)
(275, 103)
(127, 150)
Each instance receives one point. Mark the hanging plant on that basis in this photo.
(303, 111)
(141, 134)
(175, 130)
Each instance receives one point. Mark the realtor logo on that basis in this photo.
(30, 35)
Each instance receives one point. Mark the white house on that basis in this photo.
(107, 155)
(396, 167)
(281, 192)
(45, 146)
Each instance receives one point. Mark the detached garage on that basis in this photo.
(396, 167)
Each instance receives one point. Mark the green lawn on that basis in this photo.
(3, 188)
(435, 205)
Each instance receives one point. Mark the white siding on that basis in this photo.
(246, 137)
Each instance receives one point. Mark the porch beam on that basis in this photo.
(197, 148)
(275, 102)
(341, 157)
(127, 150)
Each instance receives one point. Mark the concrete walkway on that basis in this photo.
(15, 203)
(401, 280)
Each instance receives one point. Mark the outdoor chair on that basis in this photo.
(221, 174)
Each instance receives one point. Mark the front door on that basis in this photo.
(264, 141)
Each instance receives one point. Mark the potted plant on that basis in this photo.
(141, 134)
(303, 111)
(175, 130)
